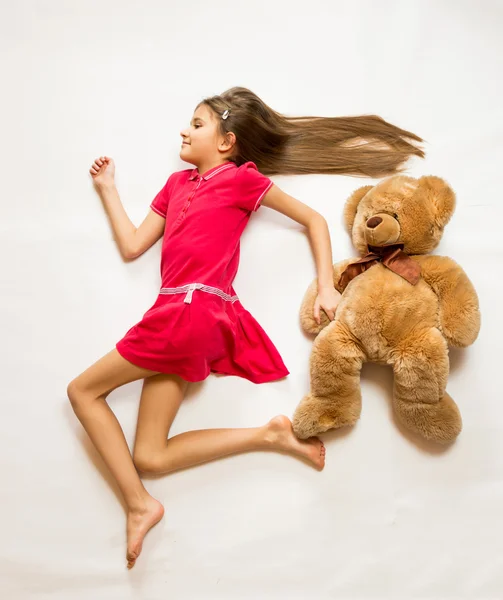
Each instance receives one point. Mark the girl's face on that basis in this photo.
(202, 143)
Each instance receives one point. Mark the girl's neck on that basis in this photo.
(207, 166)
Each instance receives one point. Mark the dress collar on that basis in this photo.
(212, 172)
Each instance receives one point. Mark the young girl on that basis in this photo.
(198, 325)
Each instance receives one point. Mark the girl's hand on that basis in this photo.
(103, 171)
(327, 299)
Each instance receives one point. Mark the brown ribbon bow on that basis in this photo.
(391, 256)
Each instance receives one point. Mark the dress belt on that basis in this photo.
(190, 287)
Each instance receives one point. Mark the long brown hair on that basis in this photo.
(364, 145)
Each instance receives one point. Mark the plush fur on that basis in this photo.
(385, 319)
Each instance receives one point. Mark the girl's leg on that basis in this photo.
(154, 453)
(87, 394)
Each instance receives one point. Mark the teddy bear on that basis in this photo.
(400, 306)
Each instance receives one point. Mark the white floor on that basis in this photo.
(387, 518)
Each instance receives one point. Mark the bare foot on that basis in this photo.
(279, 434)
(138, 524)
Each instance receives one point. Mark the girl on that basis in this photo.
(197, 325)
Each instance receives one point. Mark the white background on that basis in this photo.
(388, 517)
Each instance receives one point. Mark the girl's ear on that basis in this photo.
(351, 206)
(228, 142)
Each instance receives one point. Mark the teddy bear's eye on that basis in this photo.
(395, 216)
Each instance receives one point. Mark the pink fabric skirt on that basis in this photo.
(198, 331)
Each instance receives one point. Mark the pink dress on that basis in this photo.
(197, 324)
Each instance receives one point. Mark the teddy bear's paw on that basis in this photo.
(310, 326)
(317, 415)
(438, 422)
(307, 320)
(308, 323)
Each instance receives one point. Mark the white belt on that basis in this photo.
(190, 287)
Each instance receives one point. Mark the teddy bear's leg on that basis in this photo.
(421, 367)
(335, 398)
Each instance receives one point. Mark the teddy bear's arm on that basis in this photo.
(307, 321)
(459, 305)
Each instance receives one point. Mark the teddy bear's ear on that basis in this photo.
(440, 195)
(351, 205)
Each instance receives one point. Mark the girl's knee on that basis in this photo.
(77, 394)
(72, 390)
(148, 461)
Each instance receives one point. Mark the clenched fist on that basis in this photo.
(103, 171)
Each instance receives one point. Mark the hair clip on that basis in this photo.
(226, 114)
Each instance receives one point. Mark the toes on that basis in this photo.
(131, 559)
(133, 553)
(322, 451)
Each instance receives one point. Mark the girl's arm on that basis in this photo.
(132, 241)
(319, 236)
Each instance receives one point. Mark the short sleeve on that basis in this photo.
(251, 186)
(160, 202)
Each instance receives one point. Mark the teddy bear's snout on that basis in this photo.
(381, 229)
(373, 222)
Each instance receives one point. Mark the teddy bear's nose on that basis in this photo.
(373, 222)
